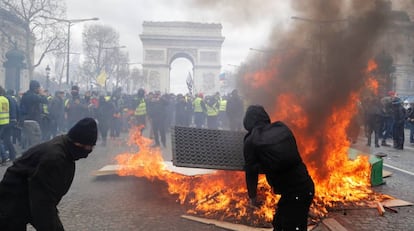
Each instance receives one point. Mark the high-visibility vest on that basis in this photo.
(46, 106)
(212, 110)
(141, 109)
(197, 105)
(223, 105)
(4, 111)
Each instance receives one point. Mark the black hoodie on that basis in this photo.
(271, 148)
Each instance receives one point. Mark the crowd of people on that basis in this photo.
(385, 118)
(36, 115)
(63, 128)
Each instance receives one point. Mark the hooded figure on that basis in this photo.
(270, 148)
(36, 182)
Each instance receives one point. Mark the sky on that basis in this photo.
(246, 24)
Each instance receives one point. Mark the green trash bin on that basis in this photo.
(376, 165)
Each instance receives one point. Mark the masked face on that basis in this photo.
(74, 93)
(79, 151)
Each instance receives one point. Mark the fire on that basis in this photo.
(339, 181)
(371, 82)
(372, 65)
(220, 194)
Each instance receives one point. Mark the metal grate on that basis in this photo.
(206, 148)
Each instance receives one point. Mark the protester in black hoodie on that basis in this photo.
(36, 182)
(271, 148)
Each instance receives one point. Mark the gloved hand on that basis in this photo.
(254, 203)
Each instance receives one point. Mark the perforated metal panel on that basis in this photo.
(205, 148)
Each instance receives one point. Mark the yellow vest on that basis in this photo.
(223, 105)
(141, 109)
(197, 105)
(4, 111)
(46, 106)
(211, 110)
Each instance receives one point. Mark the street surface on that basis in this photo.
(130, 203)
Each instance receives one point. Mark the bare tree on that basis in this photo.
(122, 69)
(40, 31)
(102, 51)
(138, 79)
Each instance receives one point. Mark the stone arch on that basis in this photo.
(181, 55)
(200, 43)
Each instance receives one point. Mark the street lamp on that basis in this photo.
(70, 22)
(47, 76)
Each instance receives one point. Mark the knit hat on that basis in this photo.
(75, 88)
(34, 84)
(85, 131)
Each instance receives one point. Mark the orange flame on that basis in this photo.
(338, 179)
(371, 82)
(222, 193)
(372, 65)
(373, 85)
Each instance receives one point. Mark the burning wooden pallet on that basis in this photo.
(113, 169)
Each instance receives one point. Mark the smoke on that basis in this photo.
(320, 61)
(320, 58)
(236, 12)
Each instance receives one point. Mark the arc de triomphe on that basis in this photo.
(200, 43)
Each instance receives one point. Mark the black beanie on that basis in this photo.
(85, 131)
(34, 84)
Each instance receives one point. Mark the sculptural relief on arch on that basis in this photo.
(200, 43)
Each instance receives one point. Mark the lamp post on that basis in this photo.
(70, 22)
(47, 76)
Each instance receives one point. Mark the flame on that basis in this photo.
(372, 66)
(219, 194)
(373, 85)
(339, 181)
(371, 82)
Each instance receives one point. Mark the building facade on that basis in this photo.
(12, 43)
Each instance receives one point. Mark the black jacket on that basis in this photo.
(271, 148)
(36, 182)
(31, 105)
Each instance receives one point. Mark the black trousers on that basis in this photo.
(292, 212)
(158, 127)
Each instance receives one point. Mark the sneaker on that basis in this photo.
(385, 144)
(377, 145)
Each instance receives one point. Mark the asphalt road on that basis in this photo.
(130, 203)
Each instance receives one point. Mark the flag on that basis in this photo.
(101, 79)
(189, 82)
(222, 76)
